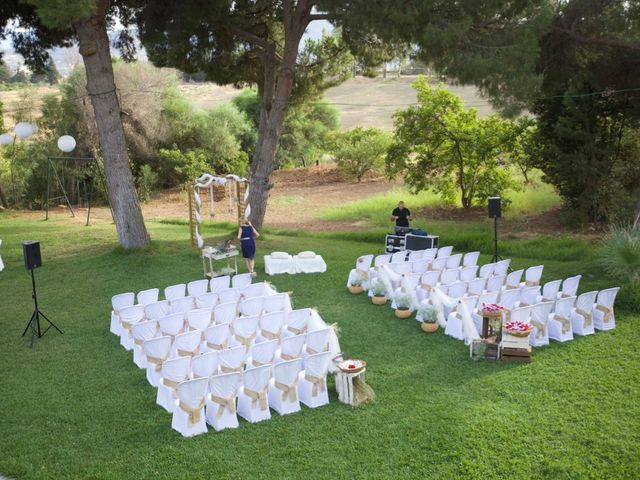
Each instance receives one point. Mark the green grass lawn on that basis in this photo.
(76, 406)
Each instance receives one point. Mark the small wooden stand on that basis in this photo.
(214, 255)
(515, 349)
(488, 322)
(344, 385)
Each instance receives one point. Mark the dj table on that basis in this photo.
(405, 240)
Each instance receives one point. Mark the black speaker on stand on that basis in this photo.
(33, 260)
(495, 212)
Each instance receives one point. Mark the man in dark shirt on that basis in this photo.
(401, 215)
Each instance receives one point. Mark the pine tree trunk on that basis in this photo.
(94, 48)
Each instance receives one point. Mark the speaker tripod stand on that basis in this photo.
(496, 257)
(34, 322)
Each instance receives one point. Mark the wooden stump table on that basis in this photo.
(344, 385)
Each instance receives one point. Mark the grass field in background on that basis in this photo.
(76, 406)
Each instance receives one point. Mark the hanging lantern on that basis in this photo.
(23, 129)
(6, 139)
(66, 143)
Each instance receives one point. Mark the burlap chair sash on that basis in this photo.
(512, 287)
(170, 383)
(532, 283)
(226, 369)
(189, 353)
(318, 383)
(270, 335)
(288, 391)
(126, 325)
(218, 346)
(257, 396)
(246, 341)
(311, 351)
(286, 356)
(566, 324)
(426, 287)
(297, 331)
(588, 319)
(608, 312)
(194, 412)
(228, 403)
(541, 328)
(138, 341)
(157, 361)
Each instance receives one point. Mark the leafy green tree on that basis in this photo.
(440, 145)
(5, 72)
(49, 75)
(360, 151)
(526, 146)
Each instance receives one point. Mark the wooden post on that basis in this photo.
(241, 188)
(192, 226)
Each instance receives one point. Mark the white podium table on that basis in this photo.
(214, 255)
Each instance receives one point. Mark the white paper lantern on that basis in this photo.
(6, 139)
(34, 129)
(23, 129)
(66, 143)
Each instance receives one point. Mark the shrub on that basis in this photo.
(360, 151)
(621, 255)
(146, 182)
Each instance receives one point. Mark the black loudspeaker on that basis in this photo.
(495, 207)
(31, 252)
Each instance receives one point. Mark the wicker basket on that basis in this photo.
(429, 327)
(355, 289)
(492, 313)
(343, 366)
(403, 313)
(518, 333)
(378, 300)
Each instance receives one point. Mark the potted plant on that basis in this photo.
(355, 286)
(428, 316)
(379, 292)
(403, 305)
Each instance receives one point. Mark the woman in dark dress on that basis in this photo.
(247, 235)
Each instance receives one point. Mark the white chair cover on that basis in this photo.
(216, 337)
(255, 290)
(216, 284)
(174, 292)
(283, 387)
(129, 316)
(241, 280)
(470, 259)
(486, 270)
(521, 314)
(225, 312)
(207, 300)
(197, 287)
(439, 264)
(444, 252)
(183, 304)
(232, 359)
(400, 256)
(317, 341)
(439, 300)
(280, 302)
(174, 371)
(145, 297)
(309, 265)
(467, 274)
(570, 286)
(449, 276)
(430, 253)
(157, 351)
(476, 287)
(205, 365)
(290, 348)
(559, 323)
(380, 260)
(245, 330)
(278, 266)
(172, 325)
(509, 298)
(187, 344)
(529, 296)
(200, 318)
(513, 279)
(457, 290)
(157, 310)
(502, 267)
(230, 295)
(550, 290)
(221, 408)
(539, 336)
(189, 417)
(453, 261)
(582, 314)
(420, 266)
(141, 332)
(271, 326)
(262, 353)
(118, 302)
(455, 326)
(401, 267)
(297, 321)
(603, 316)
(495, 283)
(533, 275)
(252, 306)
(312, 381)
(253, 398)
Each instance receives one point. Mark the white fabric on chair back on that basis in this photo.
(283, 389)
(430, 253)
(487, 298)
(550, 290)
(172, 324)
(255, 384)
(470, 302)
(263, 353)
(252, 306)
(145, 297)
(486, 270)
(216, 337)
(317, 341)
(413, 280)
(420, 265)
(529, 296)
(495, 283)
(200, 318)
(564, 305)
(229, 295)
(364, 263)
(381, 260)
(245, 330)
(430, 278)
(291, 347)
(444, 252)
(183, 304)
(156, 351)
(449, 276)
(197, 287)
(476, 287)
(502, 267)
(122, 300)
(469, 273)
(232, 359)
(189, 418)
(224, 390)
(188, 344)
(533, 275)
(207, 300)
(157, 310)
(539, 318)
(174, 292)
(457, 289)
(255, 290)
(439, 264)
(509, 298)
(312, 386)
(570, 286)
(400, 256)
(401, 267)
(603, 315)
(176, 370)
(131, 315)
(225, 312)
(470, 259)
(415, 255)
(216, 284)
(241, 280)
(205, 365)
(297, 320)
(513, 279)
(271, 325)
(143, 331)
(522, 314)
(279, 302)
(453, 261)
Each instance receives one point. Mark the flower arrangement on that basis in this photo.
(519, 329)
(492, 307)
(403, 301)
(356, 284)
(427, 314)
(378, 289)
